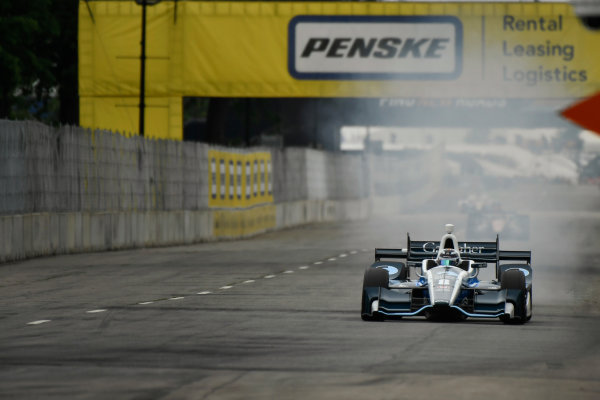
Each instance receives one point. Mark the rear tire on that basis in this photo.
(374, 277)
(530, 294)
(372, 318)
(514, 279)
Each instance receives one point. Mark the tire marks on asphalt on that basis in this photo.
(226, 287)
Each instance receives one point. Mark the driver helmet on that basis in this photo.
(449, 257)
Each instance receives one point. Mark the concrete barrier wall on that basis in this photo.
(65, 190)
(43, 234)
(40, 234)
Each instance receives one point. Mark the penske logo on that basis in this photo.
(374, 47)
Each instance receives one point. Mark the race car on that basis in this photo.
(486, 218)
(446, 285)
(511, 226)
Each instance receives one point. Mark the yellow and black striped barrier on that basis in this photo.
(239, 180)
(238, 183)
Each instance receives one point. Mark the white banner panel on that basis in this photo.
(375, 47)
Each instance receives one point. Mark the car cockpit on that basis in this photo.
(448, 254)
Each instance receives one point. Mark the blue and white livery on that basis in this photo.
(446, 284)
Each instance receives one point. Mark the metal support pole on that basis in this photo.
(143, 70)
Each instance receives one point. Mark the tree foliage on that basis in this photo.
(38, 58)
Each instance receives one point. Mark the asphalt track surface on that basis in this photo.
(277, 317)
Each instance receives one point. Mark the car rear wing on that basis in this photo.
(419, 250)
(391, 253)
(488, 252)
(509, 255)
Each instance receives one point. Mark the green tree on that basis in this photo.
(38, 60)
(27, 35)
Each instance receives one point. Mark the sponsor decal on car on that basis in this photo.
(431, 247)
(392, 271)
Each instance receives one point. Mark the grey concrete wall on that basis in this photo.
(40, 234)
(289, 168)
(43, 169)
(43, 234)
(68, 189)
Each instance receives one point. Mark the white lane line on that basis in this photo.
(177, 298)
(364, 250)
(304, 267)
(204, 292)
(353, 252)
(332, 259)
(343, 255)
(288, 272)
(269, 276)
(318, 262)
(96, 311)
(41, 321)
(143, 303)
(249, 281)
(225, 287)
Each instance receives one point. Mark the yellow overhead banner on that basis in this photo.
(326, 49)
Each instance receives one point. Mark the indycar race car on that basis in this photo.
(447, 284)
(511, 226)
(487, 217)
